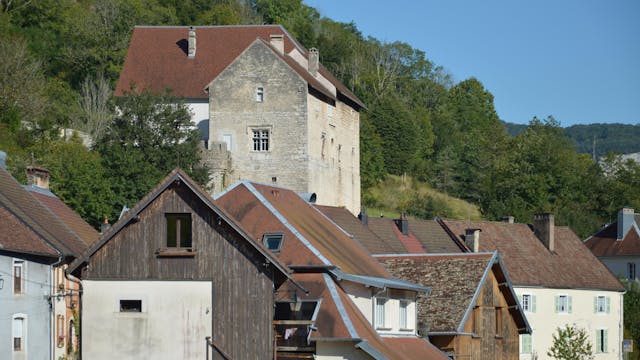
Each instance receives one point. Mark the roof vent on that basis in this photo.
(309, 197)
(192, 42)
(314, 61)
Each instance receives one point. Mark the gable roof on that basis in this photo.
(318, 241)
(456, 281)
(604, 242)
(177, 175)
(339, 319)
(16, 237)
(530, 263)
(69, 217)
(157, 58)
(38, 218)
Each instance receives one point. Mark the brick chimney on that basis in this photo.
(472, 239)
(544, 228)
(403, 224)
(192, 42)
(277, 41)
(626, 217)
(364, 217)
(508, 219)
(105, 225)
(314, 61)
(38, 176)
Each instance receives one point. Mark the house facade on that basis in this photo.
(617, 245)
(557, 279)
(472, 311)
(177, 278)
(267, 109)
(362, 311)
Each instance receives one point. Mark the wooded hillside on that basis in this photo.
(61, 59)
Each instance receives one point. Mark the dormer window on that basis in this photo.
(260, 94)
(273, 241)
(178, 230)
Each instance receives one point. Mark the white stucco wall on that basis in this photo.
(544, 321)
(200, 115)
(174, 322)
(337, 350)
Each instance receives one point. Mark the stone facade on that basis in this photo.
(304, 141)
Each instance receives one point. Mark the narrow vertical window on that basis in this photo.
(404, 305)
(178, 230)
(380, 309)
(631, 271)
(526, 302)
(260, 94)
(18, 276)
(498, 321)
(601, 340)
(18, 334)
(260, 140)
(60, 330)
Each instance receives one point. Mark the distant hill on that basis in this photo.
(618, 138)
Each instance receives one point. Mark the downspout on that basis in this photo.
(621, 324)
(79, 333)
(52, 350)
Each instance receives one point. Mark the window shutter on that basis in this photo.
(569, 304)
(557, 298)
(526, 344)
(595, 304)
(598, 341)
(533, 303)
(520, 300)
(605, 335)
(608, 304)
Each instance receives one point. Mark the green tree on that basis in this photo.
(632, 311)
(570, 343)
(150, 136)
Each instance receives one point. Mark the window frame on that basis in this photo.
(526, 302)
(403, 314)
(631, 270)
(529, 349)
(20, 319)
(602, 341)
(380, 315)
(261, 140)
(563, 308)
(260, 94)
(180, 243)
(273, 235)
(498, 322)
(125, 306)
(18, 277)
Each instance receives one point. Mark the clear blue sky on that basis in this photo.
(578, 60)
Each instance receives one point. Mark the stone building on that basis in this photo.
(268, 111)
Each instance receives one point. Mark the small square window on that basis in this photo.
(563, 304)
(260, 94)
(273, 241)
(178, 230)
(260, 140)
(130, 305)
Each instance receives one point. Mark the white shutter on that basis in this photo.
(533, 303)
(557, 299)
(569, 304)
(608, 304)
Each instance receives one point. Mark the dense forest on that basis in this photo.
(61, 60)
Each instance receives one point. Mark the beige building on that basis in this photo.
(275, 114)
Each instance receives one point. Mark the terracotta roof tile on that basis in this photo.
(530, 263)
(604, 242)
(415, 348)
(15, 236)
(157, 58)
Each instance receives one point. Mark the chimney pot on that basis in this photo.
(192, 42)
(544, 228)
(105, 225)
(277, 41)
(626, 218)
(472, 239)
(38, 176)
(314, 61)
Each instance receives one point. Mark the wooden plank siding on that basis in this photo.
(243, 284)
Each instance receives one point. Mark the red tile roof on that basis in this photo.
(157, 58)
(310, 237)
(604, 242)
(69, 217)
(530, 263)
(17, 237)
(40, 219)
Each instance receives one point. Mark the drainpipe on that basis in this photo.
(52, 315)
(78, 334)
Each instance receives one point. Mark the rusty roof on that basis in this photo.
(69, 217)
(40, 219)
(340, 319)
(530, 263)
(310, 238)
(455, 280)
(604, 242)
(157, 58)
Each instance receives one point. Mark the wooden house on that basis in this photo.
(177, 278)
(472, 311)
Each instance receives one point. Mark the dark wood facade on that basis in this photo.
(243, 280)
(490, 332)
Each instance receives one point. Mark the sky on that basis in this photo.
(577, 60)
